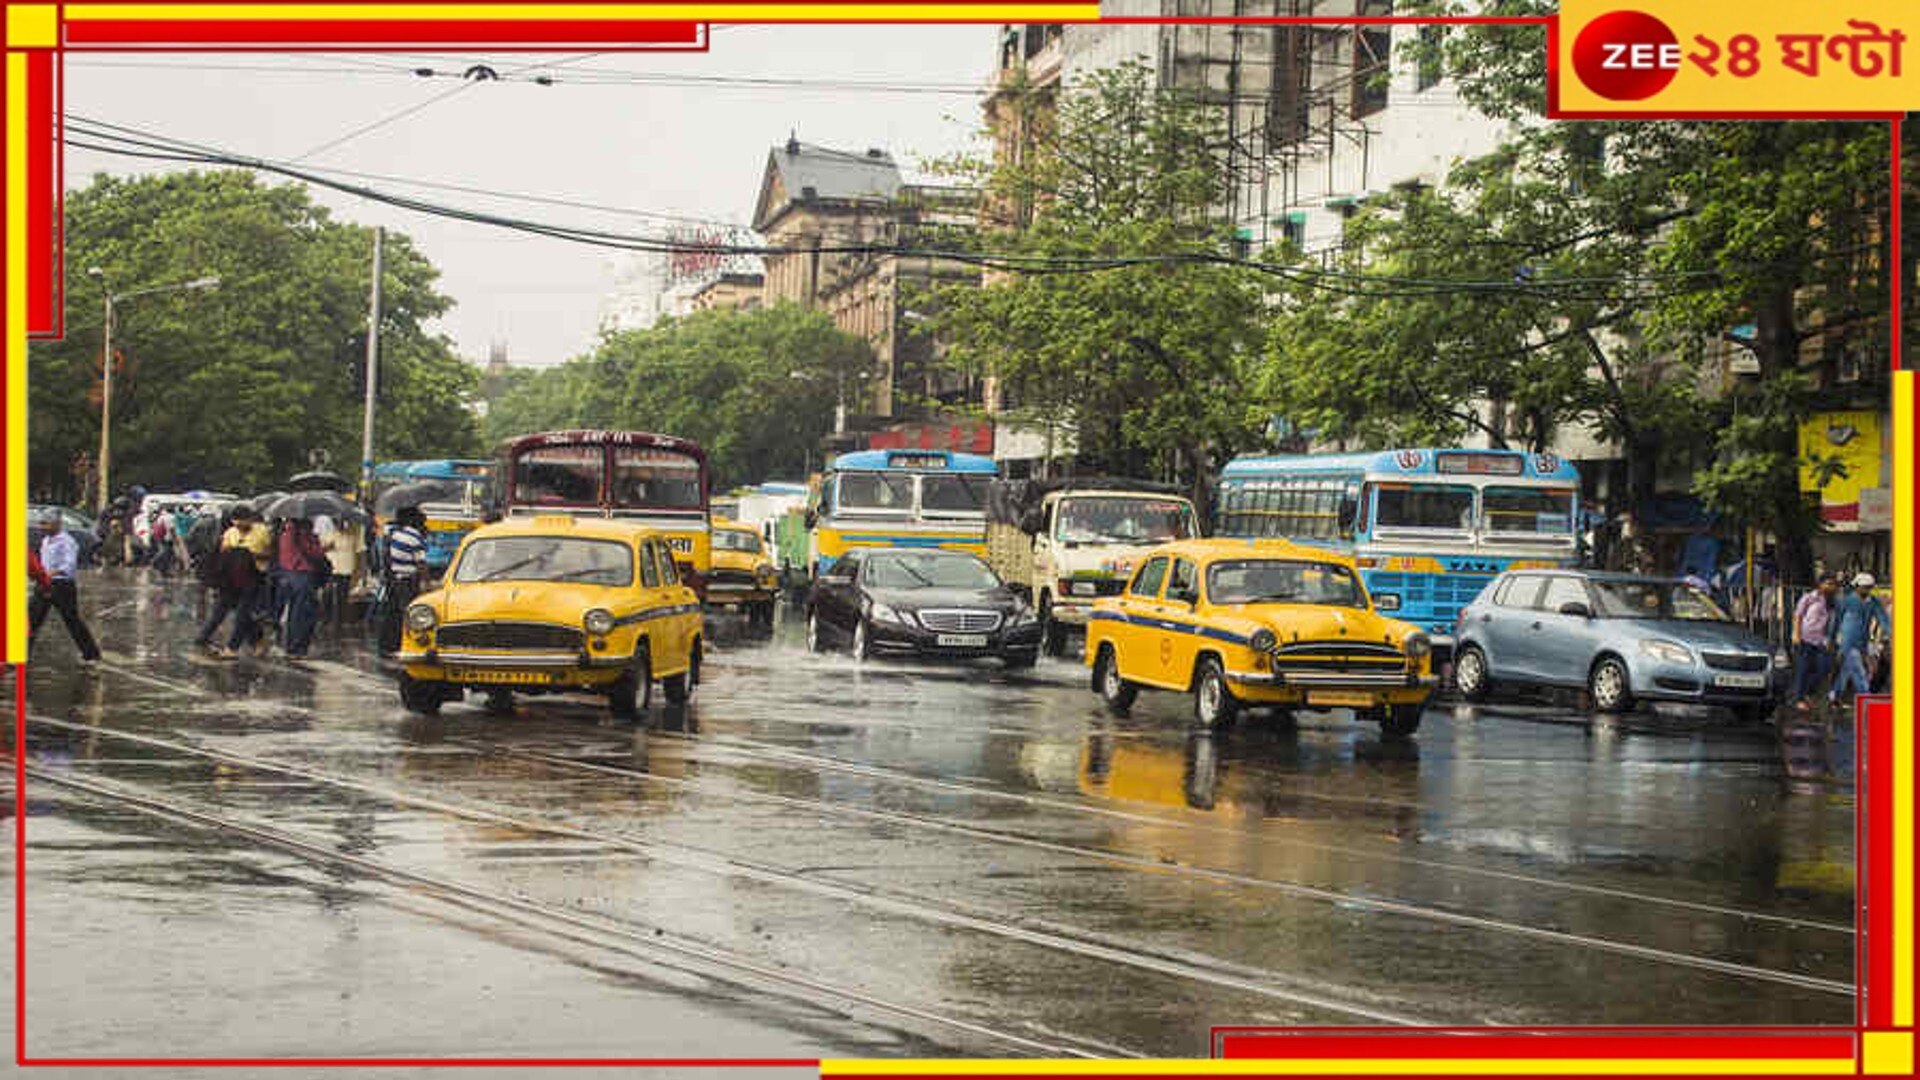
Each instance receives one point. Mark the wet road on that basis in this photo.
(821, 857)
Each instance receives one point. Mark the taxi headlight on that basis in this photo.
(1418, 645)
(422, 617)
(599, 621)
(1263, 641)
(1670, 651)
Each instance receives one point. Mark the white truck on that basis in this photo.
(1069, 542)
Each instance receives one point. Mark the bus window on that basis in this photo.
(558, 476)
(644, 476)
(953, 494)
(875, 491)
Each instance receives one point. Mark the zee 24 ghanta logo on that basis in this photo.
(1631, 55)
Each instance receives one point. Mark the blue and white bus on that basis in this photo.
(901, 498)
(1428, 527)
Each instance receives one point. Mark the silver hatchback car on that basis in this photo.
(1622, 637)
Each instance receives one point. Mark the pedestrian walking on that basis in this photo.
(342, 545)
(1854, 617)
(160, 541)
(1812, 645)
(406, 560)
(251, 535)
(59, 561)
(299, 567)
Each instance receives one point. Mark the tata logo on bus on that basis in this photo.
(1410, 459)
(1546, 463)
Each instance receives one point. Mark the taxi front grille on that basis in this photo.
(730, 577)
(509, 635)
(1338, 656)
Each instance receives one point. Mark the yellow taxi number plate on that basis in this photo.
(482, 675)
(1340, 699)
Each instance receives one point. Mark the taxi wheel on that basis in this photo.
(1470, 674)
(680, 687)
(1117, 692)
(1213, 701)
(1401, 721)
(1612, 691)
(421, 696)
(1055, 634)
(633, 691)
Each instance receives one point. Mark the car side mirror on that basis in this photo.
(1576, 608)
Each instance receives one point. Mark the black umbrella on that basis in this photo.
(260, 502)
(310, 504)
(394, 498)
(319, 480)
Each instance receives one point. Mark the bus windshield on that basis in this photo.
(1104, 520)
(1528, 510)
(646, 477)
(875, 492)
(558, 476)
(953, 493)
(465, 494)
(1423, 506)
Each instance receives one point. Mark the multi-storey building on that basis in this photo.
(848, 224)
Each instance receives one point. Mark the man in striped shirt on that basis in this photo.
(406, 560)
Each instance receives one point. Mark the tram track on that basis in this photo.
(657, 947)
(1206, 969)
(1294, 889)
(1254, 982)
(790, 757)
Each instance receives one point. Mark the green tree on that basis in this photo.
(757, 389)
(1148, 346)
(236, 387)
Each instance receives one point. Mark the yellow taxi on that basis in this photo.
(742, 574)
(1257, 622)
(550, 605)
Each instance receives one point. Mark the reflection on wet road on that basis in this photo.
(821, 857)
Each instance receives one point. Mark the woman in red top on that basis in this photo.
(299, 568)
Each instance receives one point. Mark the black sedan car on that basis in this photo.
(928, 602)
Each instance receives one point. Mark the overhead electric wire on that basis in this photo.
(125, 141)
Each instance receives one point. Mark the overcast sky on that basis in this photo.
(605, 138)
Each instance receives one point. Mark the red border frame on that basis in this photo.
(1874, 799)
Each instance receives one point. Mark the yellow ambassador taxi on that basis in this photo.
(551, 605)
(742, 574)
(1257, 622)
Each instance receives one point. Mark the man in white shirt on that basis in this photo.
(60, 554)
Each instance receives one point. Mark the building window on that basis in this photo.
(1293, 228)
(1427, 71)
(1372, 49)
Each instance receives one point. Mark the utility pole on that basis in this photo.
(106, 403)
(373, 372)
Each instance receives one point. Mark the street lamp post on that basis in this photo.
(106, 364)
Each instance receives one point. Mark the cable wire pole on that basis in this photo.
(373, 374)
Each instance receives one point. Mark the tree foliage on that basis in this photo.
(238, 386)
(757, 389)
(1134, 359)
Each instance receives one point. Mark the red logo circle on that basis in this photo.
(1626, 55)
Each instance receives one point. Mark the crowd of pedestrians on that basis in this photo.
(1833, 635)
(266, 584)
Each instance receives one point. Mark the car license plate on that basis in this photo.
(1340, 698)
(1741, 682)
(482, 675)
(970, 641)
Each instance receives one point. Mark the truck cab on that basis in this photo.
(1069, 543)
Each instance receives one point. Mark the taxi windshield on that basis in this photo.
(546, 558)
(1282, 581)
